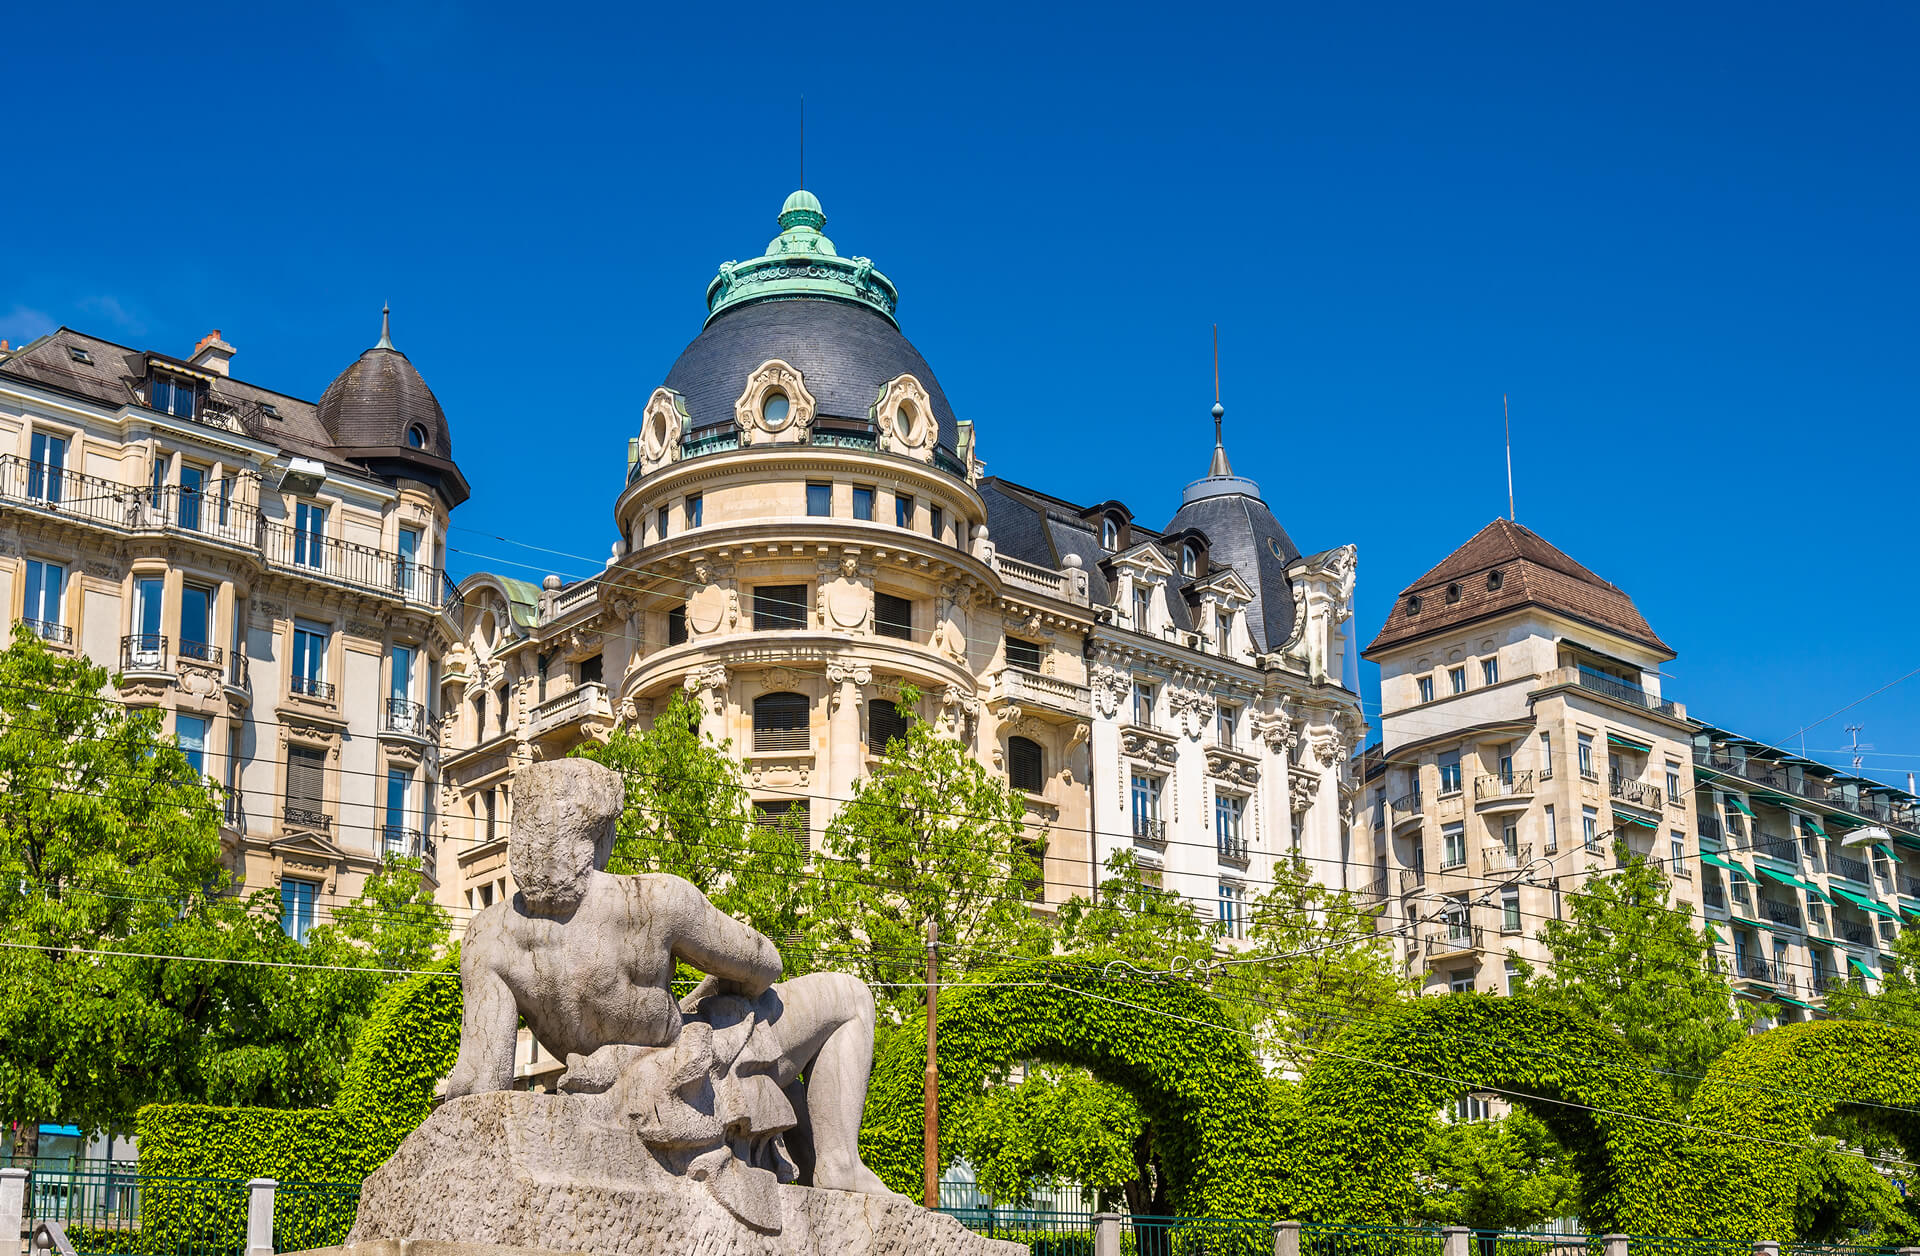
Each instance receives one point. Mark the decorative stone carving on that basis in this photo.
(1142, 743)
(1232, 768)
(1110, 687)
(663, 424)
(1327, 747)
(708, 685)
(1275, 728)
(707, 1088)
(958, 709)
(771, 424)
(904, 415)
(1303, 786)
(707, 610)
(1193, 709)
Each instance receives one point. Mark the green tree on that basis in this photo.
(1509, 1174)
(1059, 1126)
(930, 835)
(1132, 919)
(688, 813)
(107, 834)
(1631, 961)
(1897, 1002)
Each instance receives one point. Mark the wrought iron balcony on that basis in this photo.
(144, 652)
(1822, 982)
(1503, 785)
(1857, 933)
(1452, 937)
(1847, 866)
(1714, 896)
(400, 842)
(310, 687)
(1780, 913)
(201, 652)
(1499, 858)
(1765, 970)
(1149, 831)
(54, 490)
(408, 719)
(1633, 793)
(1407, 808)
(307, 818)
(1909, 886)
(237, 671)
(46, 630)
(1774, 846)
(1232, 849)
(1621, 691)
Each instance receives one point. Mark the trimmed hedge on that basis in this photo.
(1771, 1092)
(1365, 1105)
(408, 1043)
(1213, 1118)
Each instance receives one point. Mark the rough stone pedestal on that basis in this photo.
(512, 1170)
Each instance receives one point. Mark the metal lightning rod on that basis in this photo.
(1506, 416)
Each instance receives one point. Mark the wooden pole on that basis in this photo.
(930, 1177)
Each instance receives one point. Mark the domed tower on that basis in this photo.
(382, 415)
(802, 534)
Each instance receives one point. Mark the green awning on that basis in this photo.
(1910, 907)
(1867, 904)
(1813, 824)
(1887, 850)
(1721, 861)
(1645, 824)
(1751, 924)
(1740, 805)
(1787, 878)
(1860, 967)
(1628, 743)
(1715, 934)
(1789, 999)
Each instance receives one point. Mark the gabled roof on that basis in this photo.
(1530, 572)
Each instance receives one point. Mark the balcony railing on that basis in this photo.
(1621, 691)
(1715, 897)
(1634, 793)
(1150, 831)
(1776, 776)
(404, 843)
(67, 494)
(1454, 936)
(237, 671)
(1858, 934)
(1498, 858)
(1232, 849)
(1909, 886)
(1036, 690)
(1406, 807)
(1847, 866)
(1710, 827)
(307, 818)
(143, 652)
(1743, 896)
(1766, 970)
(310, 687)
(201, 652)
(1376, 890)
(1780, 913)
(1503, 785)
(1773, 846)
(1822, 982)
(408, 719)
(46, 630)
(1412, 879)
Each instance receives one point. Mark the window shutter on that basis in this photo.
(780, 722)
(1025, 764)
(885, 722)
(778, 606)
(893, 616)
(306, 778)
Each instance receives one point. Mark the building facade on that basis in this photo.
(264, 570)
(808, 535)
(1524, 732)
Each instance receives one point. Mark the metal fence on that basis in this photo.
(117, 1211)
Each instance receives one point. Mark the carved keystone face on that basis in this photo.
(563, 820)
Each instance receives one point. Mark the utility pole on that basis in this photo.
(930, 1178)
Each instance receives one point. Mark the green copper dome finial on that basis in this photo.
(801, 262)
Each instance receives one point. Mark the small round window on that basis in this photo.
(775, 409)
(417, 436)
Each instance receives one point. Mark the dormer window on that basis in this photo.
(1413, 605)
(82, 356)
(1142, 609)
(1493, 579)
(1453, 593)
(1226, 632)
(417, 437)
(1189, 560)
(1109, 534)
(176, 397)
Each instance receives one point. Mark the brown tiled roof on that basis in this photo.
(1531, 573)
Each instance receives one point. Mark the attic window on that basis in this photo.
(1453, 593)
(80, 355)
(1413, 604)
(1109, 534)
(1493, 579)
(417, 437)
(1189, 560)
(269, 409)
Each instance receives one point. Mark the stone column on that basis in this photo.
(708, 685)
(1453, 1239)
(1106, 1234)
(260, 1217)
(13, 1204)
(1613, 1245)
(1286, 1238)
(844, 747)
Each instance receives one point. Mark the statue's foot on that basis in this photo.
(856, 1177)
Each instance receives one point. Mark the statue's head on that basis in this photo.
(563, 818)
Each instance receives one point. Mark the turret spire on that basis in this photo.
(386, 328)
(1220, 464)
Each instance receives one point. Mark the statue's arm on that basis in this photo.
(716, 943)
(488, 1019)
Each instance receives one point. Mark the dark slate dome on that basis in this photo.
(845, 352)
(381, 403)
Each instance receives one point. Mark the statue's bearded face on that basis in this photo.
(562, 830)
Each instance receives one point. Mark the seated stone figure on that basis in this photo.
(713, 1083)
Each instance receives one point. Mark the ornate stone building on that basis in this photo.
(807, 533)
(263, 569)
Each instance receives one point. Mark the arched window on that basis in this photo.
(886, 722)
(1026, 764)
(1109, 534)
(780, 722)
(1189, 560)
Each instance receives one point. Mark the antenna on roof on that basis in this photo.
(1855, 746)
(803, 139)
(1506, 416)
(1216, 364)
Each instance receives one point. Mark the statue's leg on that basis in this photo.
(825, 1030)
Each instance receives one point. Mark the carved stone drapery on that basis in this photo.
(1147, 744)
(1275, 728)
(708, 685)
(1193, 709)
(1110, 687)
(1232, 768)
(1303, 786)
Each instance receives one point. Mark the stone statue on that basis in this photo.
(725, 1123)
(710, 1081)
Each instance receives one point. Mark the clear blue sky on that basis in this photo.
(1681, 236)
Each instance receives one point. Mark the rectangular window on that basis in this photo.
(1489, 671)
(306, 785)
(1457, 677)
(1673, 783)
(1513, 976)
(778, 607)
(1449, 771)
(902, 511)
(1459, 920)
(149, 645)
(1677, 851)
(1510, 910)
(937, 522)
(863, 502)
(1226, 632)
(886, 724)
(310, 641)
(1142, 704)
(1546, 756)
(1023, 654)
(46, 467)
(1590, 828)
(491, 803)
(297, 899)
(1223, 722)
(893, 616)
(45, 583)
(157, 482)
(1146, 806)
(593, 670)
(677, 625)
(1553, 832)
(193, 483)
(662, 518)
(191, 732)
(400, 674)
(196, 623)
(1426, 689)
(1233, 923)
(693, 510)
(1026, 765)
(1142, 610)
(394, 839)
(233, 773)
(175, 397)
(1584, 751)
(819, 500)
(1227, 812)
(782, 815)
(223, 490)
(1510, 838)
(309, 535)
(1460, 981)
(406, 567)
(1453, 846)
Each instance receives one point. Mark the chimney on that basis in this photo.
(212, 353)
